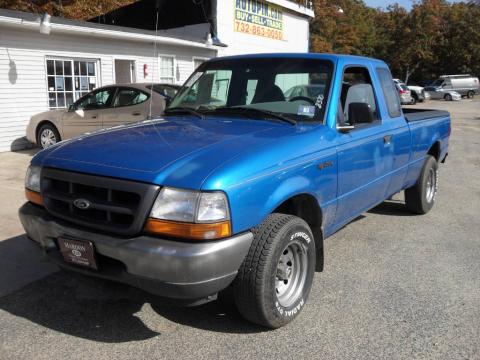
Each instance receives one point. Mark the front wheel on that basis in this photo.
(470, 94)
(274, 280)
(448, 97)
(420, 198)
(47, 136)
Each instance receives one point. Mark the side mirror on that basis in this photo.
(359, 112)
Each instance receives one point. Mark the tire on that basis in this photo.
(47, 136)
(448, 97)
(470, 94)
(274, 280)
(414, 100)
(420, 198)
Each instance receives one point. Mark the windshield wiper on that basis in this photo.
(183, 110)
(248, 109)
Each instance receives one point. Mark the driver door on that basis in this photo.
(86, 114)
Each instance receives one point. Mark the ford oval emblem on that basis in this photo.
(81, 204)
(76, 253)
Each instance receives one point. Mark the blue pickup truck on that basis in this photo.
(238, 184)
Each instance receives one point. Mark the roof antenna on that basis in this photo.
(154, 56)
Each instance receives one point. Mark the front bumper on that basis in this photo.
(171, 269)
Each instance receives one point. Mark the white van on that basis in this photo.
(465, 85)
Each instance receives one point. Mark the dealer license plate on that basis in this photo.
(78, 252)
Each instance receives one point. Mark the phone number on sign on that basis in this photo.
(258, 30)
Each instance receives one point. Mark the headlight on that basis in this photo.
(32, 185)
(32, 178)
(190, 214)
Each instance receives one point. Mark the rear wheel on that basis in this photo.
(275, 278)
(470, 94)
(414, 99)
(420, 198)
(47, 136)
(448, 97)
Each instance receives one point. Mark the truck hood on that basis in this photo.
(176, 151)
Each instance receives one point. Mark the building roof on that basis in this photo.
(30, 21)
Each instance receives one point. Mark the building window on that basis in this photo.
(167, 69)
(68, 80)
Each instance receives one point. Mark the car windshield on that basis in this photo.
(165, 90)
(437, 82)
(263, 87)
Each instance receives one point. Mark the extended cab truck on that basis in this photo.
(236, 185)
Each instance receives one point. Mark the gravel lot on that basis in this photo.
(394, 286)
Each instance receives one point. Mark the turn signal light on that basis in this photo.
(34, 197)
(189, 230)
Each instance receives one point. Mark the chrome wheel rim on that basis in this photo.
(291, 274)
(431, 185)
(47, 138)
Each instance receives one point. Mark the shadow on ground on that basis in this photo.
(391, 207)
(106, 311)
(96, 309)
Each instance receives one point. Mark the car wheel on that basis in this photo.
(47, 136)
(414, 100)
(448, 97)
(470, 94)
(420, 198)
(274, 280)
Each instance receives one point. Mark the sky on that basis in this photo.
(383, 4)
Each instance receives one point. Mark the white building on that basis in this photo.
(40, 72)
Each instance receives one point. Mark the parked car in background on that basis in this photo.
(166, 90)
(437, 93)
(465, 85)
(101, 108)
(405, 94)
(417, 92)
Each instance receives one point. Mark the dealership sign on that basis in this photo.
(258, 18)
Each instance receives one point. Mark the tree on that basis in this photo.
(72, 9)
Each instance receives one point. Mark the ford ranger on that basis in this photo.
(237, 185)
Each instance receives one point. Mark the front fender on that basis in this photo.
(253, 199)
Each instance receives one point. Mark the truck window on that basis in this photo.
(259, 84)
(357, 87)
(389, 92)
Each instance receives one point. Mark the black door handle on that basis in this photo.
(94, 116)
(387, 139)
(136, 113)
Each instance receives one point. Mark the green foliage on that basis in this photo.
(433, 38)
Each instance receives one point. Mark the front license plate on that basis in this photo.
(78, 252)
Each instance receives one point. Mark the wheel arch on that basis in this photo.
(306, 207)
(435, 150)
(46, 122)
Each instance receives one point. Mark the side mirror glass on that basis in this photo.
(359, 112)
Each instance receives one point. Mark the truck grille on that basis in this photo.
(103, 203)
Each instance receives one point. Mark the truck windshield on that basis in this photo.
(281, 88)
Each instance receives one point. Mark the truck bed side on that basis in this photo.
(430, 130)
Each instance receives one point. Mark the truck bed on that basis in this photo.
(423, 114)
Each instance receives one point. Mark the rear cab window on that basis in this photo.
(389, 92)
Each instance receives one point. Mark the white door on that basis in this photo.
(124, 71)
